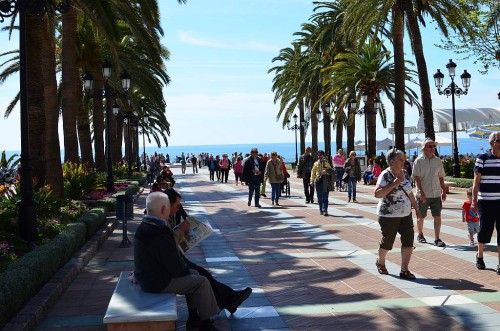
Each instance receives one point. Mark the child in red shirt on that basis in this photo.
(470, 217)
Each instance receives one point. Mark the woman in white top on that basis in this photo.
(394, 210)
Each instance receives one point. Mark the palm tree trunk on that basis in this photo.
(351, 130)
(399, 73)
(117, 128)
(423, 76)
(339, 133)
(53, 173)
(314, 124)
(302, 132)
(69, 85)
(371, 126)
(327, 133)
(84, 136)
(98, 122)
(36, 111)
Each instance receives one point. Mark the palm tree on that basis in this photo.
(369, 71)
(285, 86)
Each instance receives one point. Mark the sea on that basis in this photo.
(287, 150)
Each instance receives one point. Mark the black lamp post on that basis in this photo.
(27, 204)
(365, 110)
(295, 127)
(453, 90)
(88, 81)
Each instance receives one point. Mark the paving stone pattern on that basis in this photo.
(308, 272)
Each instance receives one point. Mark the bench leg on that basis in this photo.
(143, 326)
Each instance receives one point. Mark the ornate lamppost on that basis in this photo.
(295, 127)
(108, 93)
(27, 204)
(364, 111)
(453, 90)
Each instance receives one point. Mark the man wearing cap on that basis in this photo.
(428, 173)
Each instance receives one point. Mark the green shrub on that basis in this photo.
(120, 172)
(461, 182)
(467, 168)
(23, 278)
(79, 180)
(93, 220)
(448, 166)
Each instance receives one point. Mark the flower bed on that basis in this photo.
(101, 193)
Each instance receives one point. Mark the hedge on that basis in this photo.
(26, 276)
(461, 182)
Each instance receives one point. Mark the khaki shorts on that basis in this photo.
(390, 226)
(436, 205)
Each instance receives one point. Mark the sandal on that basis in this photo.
(381, 268)
(406, 274)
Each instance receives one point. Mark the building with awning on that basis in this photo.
(466, 119)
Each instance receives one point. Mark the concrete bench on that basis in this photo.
(447, 186)
(132, 309)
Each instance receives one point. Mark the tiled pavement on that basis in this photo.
(308, 272)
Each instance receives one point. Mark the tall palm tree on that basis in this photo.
(370, 71)
(286, 87)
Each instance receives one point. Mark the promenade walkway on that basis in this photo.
(308, 272)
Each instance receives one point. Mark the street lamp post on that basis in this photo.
(88, 81)
(453, 90)
(27, 205)
(295, 127)
(365, 110)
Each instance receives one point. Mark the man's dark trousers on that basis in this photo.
(254, 186)
(308, 188)
(223, 293)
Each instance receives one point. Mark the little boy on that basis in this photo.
(470, 217)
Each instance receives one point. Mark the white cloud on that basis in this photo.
(189, 38)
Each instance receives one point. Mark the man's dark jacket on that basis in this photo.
(156, 255)
(248, 168)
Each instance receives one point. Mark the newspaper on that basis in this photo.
(198, 231)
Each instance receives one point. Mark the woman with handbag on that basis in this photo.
(274, 173)
(353, 170)
(394, 210)
(322, 175)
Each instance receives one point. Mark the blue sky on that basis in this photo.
(221, 93)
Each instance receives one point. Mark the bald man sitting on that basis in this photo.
(159, 266)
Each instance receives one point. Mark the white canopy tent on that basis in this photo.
(465, 119)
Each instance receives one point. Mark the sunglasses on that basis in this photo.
(496, 141)
(430, 146)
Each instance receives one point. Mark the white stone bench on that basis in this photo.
(132, 309)
(447, 186)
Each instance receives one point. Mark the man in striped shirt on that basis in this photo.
(486, 198)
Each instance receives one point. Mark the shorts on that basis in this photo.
(436, 205)
(390, 226)
(473, 227)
